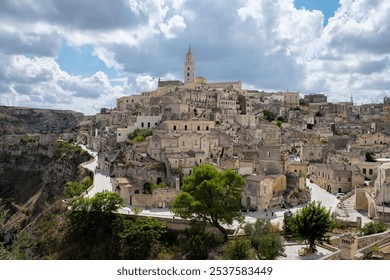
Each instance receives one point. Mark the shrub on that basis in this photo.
(371, 228)
(239, 249)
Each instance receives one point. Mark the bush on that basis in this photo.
(371, 228)
(140, 132)
(263, 238)
(239, 249)
(73, 189)
(138, 138)
(197, 242)
(66, 147)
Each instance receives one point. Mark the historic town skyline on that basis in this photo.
(81, 56)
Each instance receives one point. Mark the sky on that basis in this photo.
(82, 55)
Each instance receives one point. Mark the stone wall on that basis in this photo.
(161, 198)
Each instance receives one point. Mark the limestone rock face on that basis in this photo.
(33, 167)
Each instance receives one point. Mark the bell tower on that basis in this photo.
(189, 67)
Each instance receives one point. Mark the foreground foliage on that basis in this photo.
(310, 224)
(371, 228)
(107, 235)
(266, 241)
(211, 196)
(239, 249)
(196, 242)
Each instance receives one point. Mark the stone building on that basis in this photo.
(316, 153)
(315, 98)
(189, 67)
(261, 192)
(335, 178)
(136, 197)
(130, 102)
(271, 159)
(382, 186)
(142, 122)
(372, 140)
(300, 168)
(369, 169)
(189, 125)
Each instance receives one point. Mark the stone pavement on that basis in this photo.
(349, 213)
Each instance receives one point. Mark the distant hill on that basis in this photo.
(20, 120)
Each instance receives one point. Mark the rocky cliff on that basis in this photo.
(34, 164)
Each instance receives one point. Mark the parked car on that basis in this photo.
(340, 195)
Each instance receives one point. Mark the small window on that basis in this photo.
(185, 127)
(183, 144)
(142, 124)
(198, 127)
(148, 124)
(364, 171)
(268, 154)
(174, 127)
(371, 172)
(207, 127)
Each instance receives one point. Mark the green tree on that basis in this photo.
(139, 135)
(139, 236)
(93, 224)
(312, 223)
(197, 242)
(266, 242)
(370, 157)
(73, 189)
(211, 196)
(239, 249)
(269, 115)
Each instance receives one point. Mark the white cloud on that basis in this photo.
(107, 57)
(174, 24)
(39, 82)
(146, 83)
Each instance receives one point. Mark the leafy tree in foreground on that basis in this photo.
(93, 221)
(239, 249)
(197, 242)
(139, 237)
(212, 196)
(312, 223)
(266, 242)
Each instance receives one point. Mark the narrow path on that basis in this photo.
(101, 180)
(352, 214)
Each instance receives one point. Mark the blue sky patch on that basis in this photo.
(327, 7)
(81, 61)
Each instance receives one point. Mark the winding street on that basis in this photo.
(101, 180)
